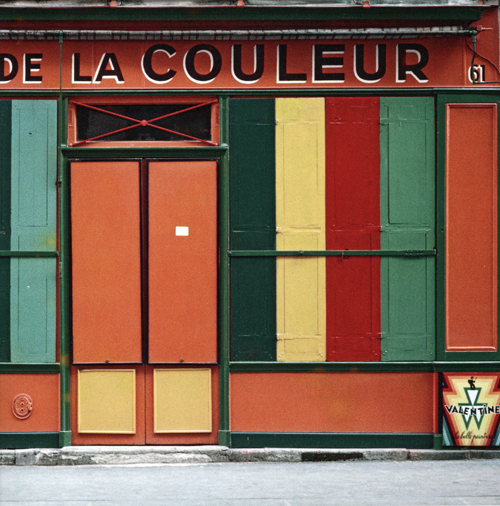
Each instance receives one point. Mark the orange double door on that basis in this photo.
(144, 302)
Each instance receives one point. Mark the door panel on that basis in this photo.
(183, 262)
(105, 216)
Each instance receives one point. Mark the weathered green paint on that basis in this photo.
(237, 367)
(332, 253)
(65, 279)
(10, 368)
(223, 231)
(33, 227)
(407, 195)
(29, 440)
(5, 155)
(330, 440)
(253, 226)
(450, 14)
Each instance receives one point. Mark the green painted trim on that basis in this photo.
(29, 254)
(374, 367)
(5, 225)
(10, 368)
(468, 358)
(232, 13)
(330, 440)
(332, 253)
(121, 152)
(14, 440)
(265, 367)
(438, 442)
(65, 438)
(223, 183)
(64, 273)
(474, 93)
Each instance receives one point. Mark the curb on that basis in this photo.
(126, 455)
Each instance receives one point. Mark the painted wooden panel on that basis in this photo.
(33, 227)
(88, 438)
(183, 438)
(300, 225)
(253, 226)
(183, 262)
(332, 402)
(407, 196)
(353, 222)
(105, 218)
(44, 392)
(5, 198)
(106, 401)
(182, 400)
(471, 280)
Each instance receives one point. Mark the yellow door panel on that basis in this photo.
(300, 224)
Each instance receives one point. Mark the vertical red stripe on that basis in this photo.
(353, 222)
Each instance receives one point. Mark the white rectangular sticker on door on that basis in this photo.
(182, 231)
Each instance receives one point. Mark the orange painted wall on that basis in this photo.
(332, 402)
(471, 227)
(43, 389)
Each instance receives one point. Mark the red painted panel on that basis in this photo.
(332, 402)
(110, 439)
(181, 439)
(471, 227)
(44, 392)
(183, 268)
(106, 262)
(353, 222)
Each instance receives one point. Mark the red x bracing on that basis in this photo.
(144, 123)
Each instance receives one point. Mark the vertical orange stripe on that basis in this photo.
(471, 227)
(106, 262)
(183, 262)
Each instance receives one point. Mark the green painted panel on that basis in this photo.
(33, 227)
(5, 153)
(29, 440)
(407, 196)
(330, 440)
(253, 226)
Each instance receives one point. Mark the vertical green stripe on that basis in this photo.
(253, 226)
(407, 188)
(34, 224)
(5, 154)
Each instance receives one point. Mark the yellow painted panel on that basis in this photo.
(300, 225)
(106, 401)
(182, 400)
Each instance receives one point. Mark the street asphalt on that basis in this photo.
(348, 483)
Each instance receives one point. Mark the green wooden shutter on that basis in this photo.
(33, 228)
(253, 226)
(408, 222)
(5, 154)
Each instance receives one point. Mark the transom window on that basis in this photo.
(180, 121)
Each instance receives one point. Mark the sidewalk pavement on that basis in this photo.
(120, 455)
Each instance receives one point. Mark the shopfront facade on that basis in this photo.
(249, 225)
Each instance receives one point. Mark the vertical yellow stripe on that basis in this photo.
(300, 222)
